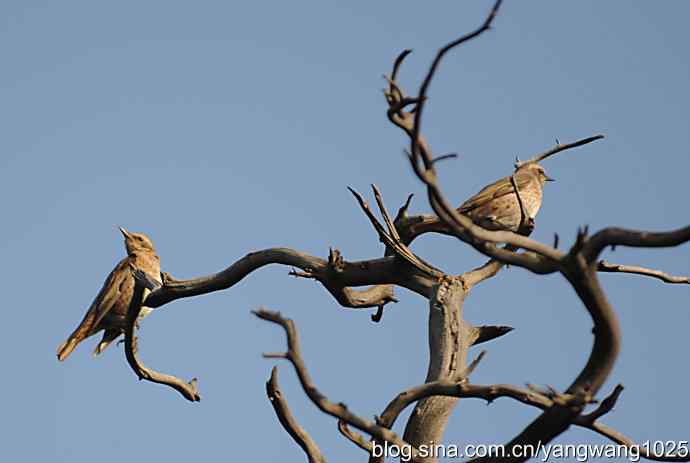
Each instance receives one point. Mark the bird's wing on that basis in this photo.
(109, 293)
(99, 307)
(497, 189)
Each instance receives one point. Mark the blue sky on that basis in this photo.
(220, 128)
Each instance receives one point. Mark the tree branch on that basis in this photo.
(614, 236)
(428, 162)
(589, 421)
(539, 259)
(337, 275)
(297, 432)
(338, 410)
(604, 266)
(620, 439)
(484, 272)
(391, 238)
(188, 389)
(489, 332)
(606, 406)
(460, 389)
(354, 437)
(449, 337)
(557, 149)
(526, 222)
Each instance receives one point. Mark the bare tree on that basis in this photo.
(450, 336)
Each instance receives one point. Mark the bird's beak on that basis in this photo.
(124, 232)
(549, 179)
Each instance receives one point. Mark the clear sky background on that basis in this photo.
(220, 128)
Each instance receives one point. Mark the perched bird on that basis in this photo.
(109, 310)
(496, 206)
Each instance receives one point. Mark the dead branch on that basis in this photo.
(620, 439)
(589, 421)
(540, 260)
(414, 226)
(461, 390)
(354, 437)
(577, 265)
(188, 389)
(489, 332)
(391, 238)
(449, 338)
(556, 149)
(605, 266)
(484, 272)
(297, 432)
(526, 222)
(615, 236)
(411, 227)
(606, 406)
(337, 410)
(455, 387)
(428, 161)
(337, 279)
(449, 335)
(392, 231)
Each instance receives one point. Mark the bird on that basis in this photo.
(108, 312)
(496, 206)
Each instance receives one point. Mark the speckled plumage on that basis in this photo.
(496, 206)
(109, 310)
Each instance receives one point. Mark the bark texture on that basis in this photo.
(450, 337)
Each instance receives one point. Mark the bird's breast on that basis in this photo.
(531, 199)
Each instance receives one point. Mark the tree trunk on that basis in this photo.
(449, 339)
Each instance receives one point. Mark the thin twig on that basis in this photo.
(634, 448)
(398, 62)
(384, 213)
(397, 246)
(557, 149)
(354, 437)
(428, 164)
(525, 227)
(589, 421)
(605, 266)
(444, 157)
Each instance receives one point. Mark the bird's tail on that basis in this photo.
(80, 333)
(67, 347)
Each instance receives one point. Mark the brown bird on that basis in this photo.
(109, 310)
(496, 206)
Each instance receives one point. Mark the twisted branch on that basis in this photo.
(188, 389)
(336, 275)
(578, 265)
(428, 161)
